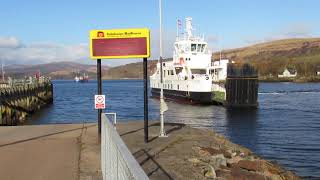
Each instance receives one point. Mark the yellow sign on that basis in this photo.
(120, 43)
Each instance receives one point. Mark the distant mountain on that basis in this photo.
(132, 70)
(269, 58)
(56, 70)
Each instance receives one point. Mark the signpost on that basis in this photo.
(120, 44)
(100, 101)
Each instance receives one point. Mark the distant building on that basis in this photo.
(318, 70)
(288, 73)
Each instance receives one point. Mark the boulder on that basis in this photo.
(218, 160)
(251, 165)
(211, 173)
(239, 174)
(225, 174)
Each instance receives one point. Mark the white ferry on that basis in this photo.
(190, 76)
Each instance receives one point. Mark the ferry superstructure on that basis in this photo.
(190, 76)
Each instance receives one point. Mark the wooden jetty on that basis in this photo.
(19, 99)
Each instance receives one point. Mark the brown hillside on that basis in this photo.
(56, 70)
(133, 70)
(272, 57)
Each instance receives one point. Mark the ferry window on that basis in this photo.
(198, 71)
(168, 73)
(202, 47)
(172, 72)
(193, 47)
(199, 48)
(178, 87)
(164, 73)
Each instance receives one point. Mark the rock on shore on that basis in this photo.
(189, 153)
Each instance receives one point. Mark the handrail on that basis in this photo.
(117, 162)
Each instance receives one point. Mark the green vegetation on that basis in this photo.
(218, 96)
(272, 58)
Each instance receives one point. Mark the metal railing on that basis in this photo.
(117, 162)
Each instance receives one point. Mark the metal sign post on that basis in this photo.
(99, 93)
(121, 43)
(145, 79)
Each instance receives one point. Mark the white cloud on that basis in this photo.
(9, 42)
(13, 52)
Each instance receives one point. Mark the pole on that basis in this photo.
(99, 93)
(162, 133)
(2, 70)
(145, 78)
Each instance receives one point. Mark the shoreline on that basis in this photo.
(190, 153)
(317, 80)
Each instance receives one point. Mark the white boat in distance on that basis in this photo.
(190, 76)
(82, 78)
(77, 79)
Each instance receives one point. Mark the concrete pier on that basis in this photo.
(50, 152)
(72, 152)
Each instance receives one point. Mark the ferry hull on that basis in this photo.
(184, 96)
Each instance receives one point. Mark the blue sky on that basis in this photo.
(37, 31)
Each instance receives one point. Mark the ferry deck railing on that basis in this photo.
(117, 162)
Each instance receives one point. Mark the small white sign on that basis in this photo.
(100, 101)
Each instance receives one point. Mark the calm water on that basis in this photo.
(285, 128)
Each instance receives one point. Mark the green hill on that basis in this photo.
(272, 57)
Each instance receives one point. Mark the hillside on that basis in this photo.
(269, 58)
(56, 70)
(272, 57)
